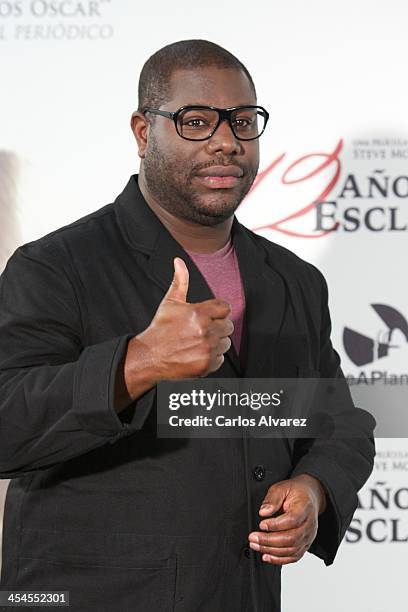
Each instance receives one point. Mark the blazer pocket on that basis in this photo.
(103, 586)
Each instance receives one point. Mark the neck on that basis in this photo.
(192, 236)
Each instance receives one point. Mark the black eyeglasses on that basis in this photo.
(200, 122)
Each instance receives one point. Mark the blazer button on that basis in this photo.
(258, 472)
(247, 552)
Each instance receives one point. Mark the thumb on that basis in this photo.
(179, 285)
(274, 499)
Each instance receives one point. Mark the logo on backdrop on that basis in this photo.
(362, 349)
(67, 20)
(360, 186)
(389, 335)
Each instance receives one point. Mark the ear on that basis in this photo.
(140, 129)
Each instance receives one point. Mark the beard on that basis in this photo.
(175, 192)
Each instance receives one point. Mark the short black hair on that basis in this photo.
(154, 81)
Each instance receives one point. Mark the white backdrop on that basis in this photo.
(332, 75)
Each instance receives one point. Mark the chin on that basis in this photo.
(220, 205)
(212, 215)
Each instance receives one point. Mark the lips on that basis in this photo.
(220, 177)
(219, 182)
(221, 171)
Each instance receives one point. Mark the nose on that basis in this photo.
(223, 140)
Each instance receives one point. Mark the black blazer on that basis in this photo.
(99, 505)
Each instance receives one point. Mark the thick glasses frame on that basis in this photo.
(223, 114)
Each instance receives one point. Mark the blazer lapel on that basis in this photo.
(265, 297)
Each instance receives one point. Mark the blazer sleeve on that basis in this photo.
(56, 394)
(341, 464)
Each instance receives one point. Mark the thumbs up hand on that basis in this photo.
(182, 341)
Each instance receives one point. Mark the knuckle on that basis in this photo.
(305, 536)
(297, 541)
(203, 365)
(203, 322)
(199, 331)
(220, 360)
(201, 328)
(206, 359)
(197, 311)
(266, 540)
(222, 303)
(226, 345)
(291, 541)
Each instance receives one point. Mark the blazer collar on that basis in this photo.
(263, 286)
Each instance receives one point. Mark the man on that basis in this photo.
(95, 314)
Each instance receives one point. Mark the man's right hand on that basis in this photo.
(182, 341)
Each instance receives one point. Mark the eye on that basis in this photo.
(194, 122)
(242, 122)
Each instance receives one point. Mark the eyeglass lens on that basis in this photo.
(199, 123)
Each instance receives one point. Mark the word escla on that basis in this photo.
(352, 218)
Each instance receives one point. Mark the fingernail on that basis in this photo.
(265, 558)
(254, 546)
(253, 538)
(263, 526)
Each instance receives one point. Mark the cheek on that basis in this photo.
(253, 153)
(164, 146)
(177, 157)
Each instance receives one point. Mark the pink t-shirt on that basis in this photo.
(221, 271)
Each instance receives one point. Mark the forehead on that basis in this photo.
(222, 87)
